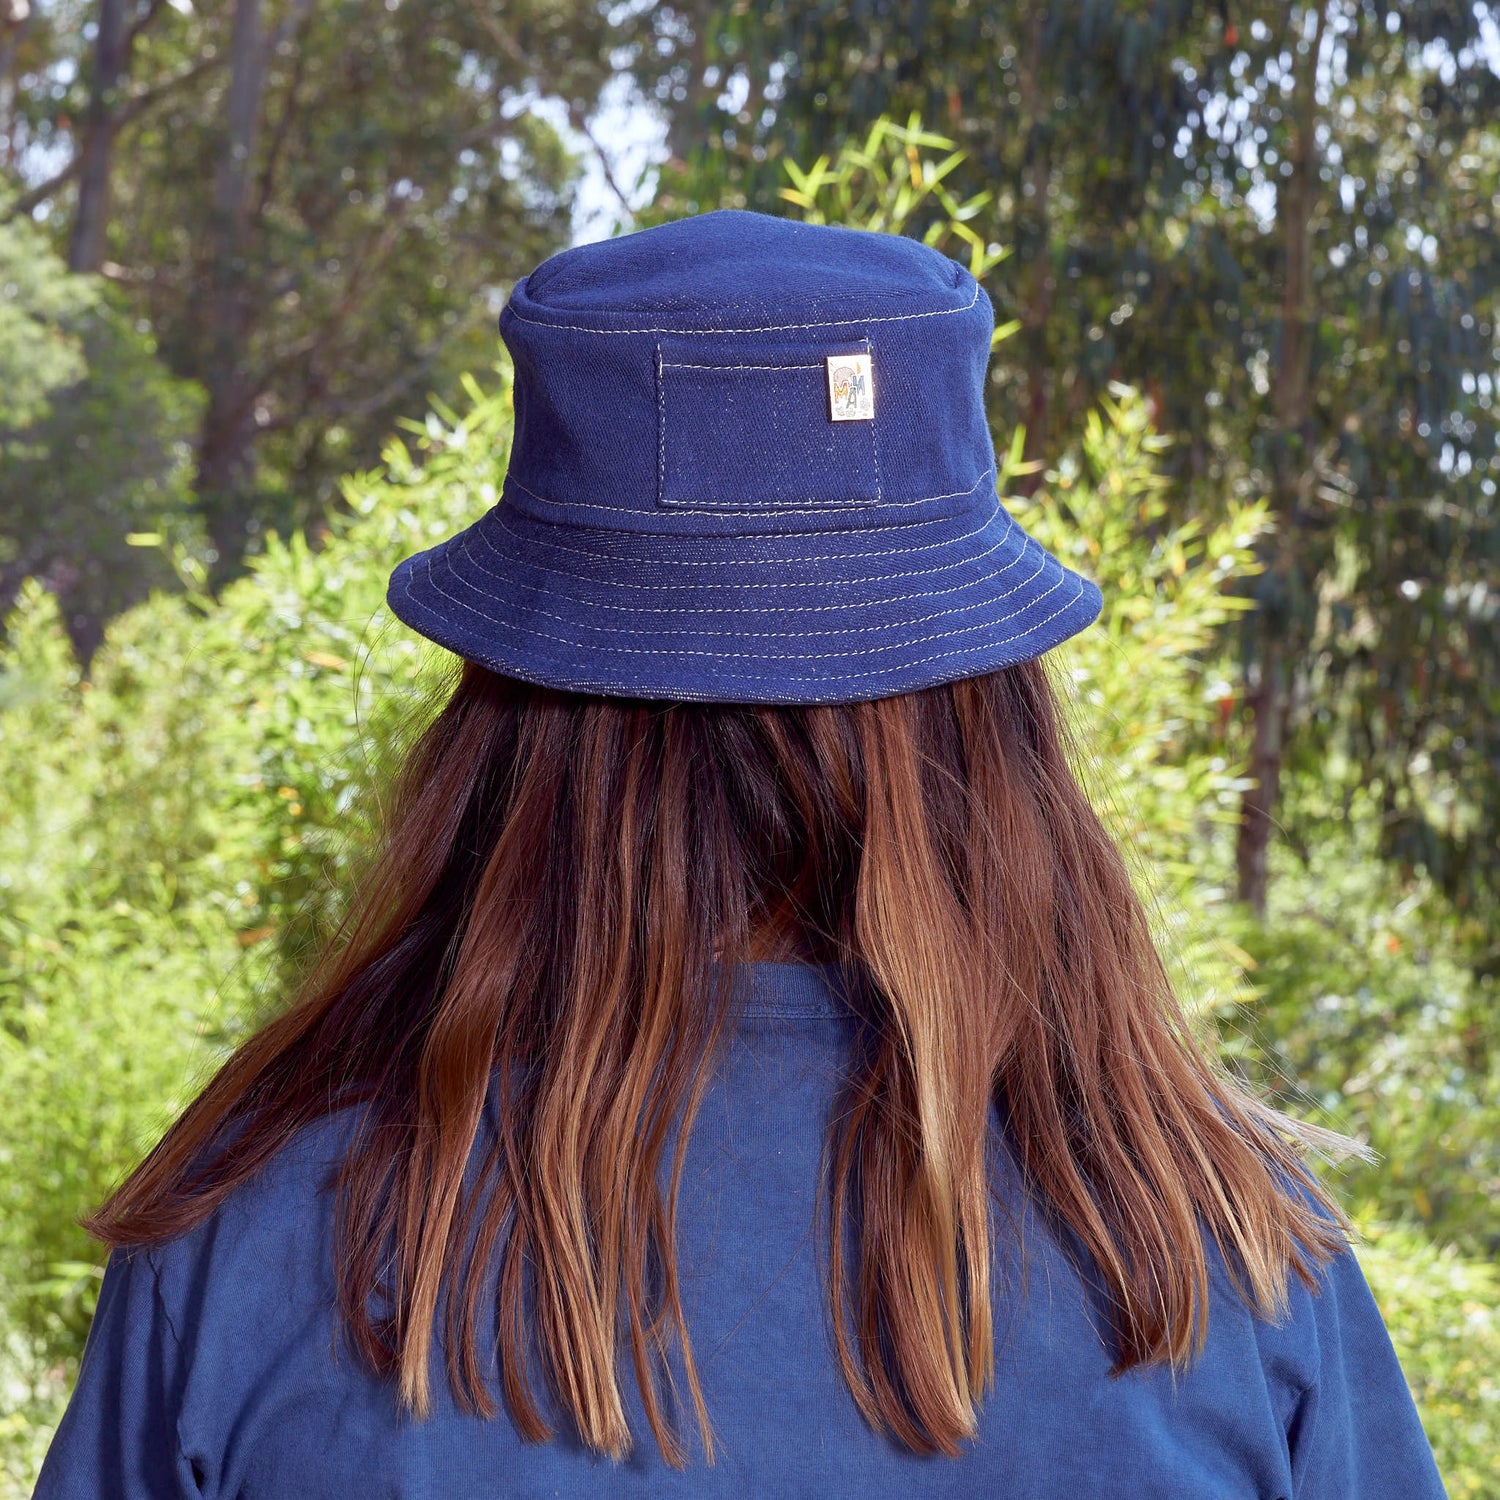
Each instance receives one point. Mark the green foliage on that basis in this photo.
(1150, 694)
(1369, 1021)
(94, 438)
(892, 183)
(177, 828)
(1348, 1005)
(38, 301)
(110, 460)
(1352, 1003)
(1444, 1316)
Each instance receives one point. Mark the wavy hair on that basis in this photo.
(562, 888)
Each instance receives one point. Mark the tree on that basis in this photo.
(1276, 220)
(318, 211)
(95, 439)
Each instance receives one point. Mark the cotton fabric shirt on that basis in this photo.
(210, 1368)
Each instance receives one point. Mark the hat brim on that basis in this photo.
(833, 616)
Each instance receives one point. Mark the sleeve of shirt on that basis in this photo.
(1354, 1433)
(118, 1438)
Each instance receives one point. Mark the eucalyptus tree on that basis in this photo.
(1277, 220)
(313, 204)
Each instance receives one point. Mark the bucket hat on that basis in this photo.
(750, 464)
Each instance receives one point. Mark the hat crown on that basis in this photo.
(733, 267)
(686, 379)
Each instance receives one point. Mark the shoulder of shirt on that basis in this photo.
(1293, 1346)
(281, 1217)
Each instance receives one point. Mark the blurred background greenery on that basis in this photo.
(1245, 265)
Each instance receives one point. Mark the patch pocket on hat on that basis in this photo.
(743, 428)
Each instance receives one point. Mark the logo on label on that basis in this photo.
(851, 388)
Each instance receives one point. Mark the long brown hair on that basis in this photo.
(564, 886)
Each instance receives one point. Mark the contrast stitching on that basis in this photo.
(773, 609)
(742, 304)
(729, 507)
(939, 312)
(874, 441)
(770, 507)
(816, 510)
(795, 635)
(512, 624)
(783, 680)
(819, 583)
(758, 609)
(770, 663)
(661, 437)
(674, 365)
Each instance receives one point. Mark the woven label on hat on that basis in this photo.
(851, 388)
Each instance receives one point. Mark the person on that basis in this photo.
(745, 1069)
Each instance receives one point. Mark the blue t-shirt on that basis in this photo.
(212, 1369)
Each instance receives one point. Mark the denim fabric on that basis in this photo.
(210, 1368)
(682, 516)
(734, 436)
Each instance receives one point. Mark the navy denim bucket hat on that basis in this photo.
(751, 464)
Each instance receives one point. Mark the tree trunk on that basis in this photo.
(226, 460)
(111, 63)
(1268, 707)
(1037, 283)
(1277, 633)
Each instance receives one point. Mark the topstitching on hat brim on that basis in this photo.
(786, 618)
